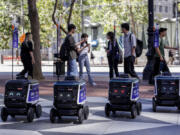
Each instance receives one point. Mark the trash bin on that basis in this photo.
(59, 66)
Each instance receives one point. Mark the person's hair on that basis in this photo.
(71, 27)
(162, 30)
(27, 35)
(111, 35)
(84, 35)
(125, 26)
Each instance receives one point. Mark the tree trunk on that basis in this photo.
(132, 18)
(35, 30)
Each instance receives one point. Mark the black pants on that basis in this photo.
(113, 66)
(28, 68)
(156, 69)
(129, 66)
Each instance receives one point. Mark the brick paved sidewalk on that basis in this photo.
(101, 90)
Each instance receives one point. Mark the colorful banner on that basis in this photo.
(156, 36)
(15, 38)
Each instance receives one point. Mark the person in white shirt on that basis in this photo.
(83, 59)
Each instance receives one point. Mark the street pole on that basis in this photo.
(177, 58)
(82, 16)
(149, 66)
(22, 14)
(12, 56)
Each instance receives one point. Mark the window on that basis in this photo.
(94, 33)
(154, 7)
(160, 8)
(166, 9)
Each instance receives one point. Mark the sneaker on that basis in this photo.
(93, 84)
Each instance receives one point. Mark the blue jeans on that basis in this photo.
(84, 61)
(72, 68)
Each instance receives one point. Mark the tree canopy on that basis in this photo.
(104, 12)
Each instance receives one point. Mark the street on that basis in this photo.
(165, 121)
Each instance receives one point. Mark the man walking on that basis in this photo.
(27, 56)
(160, 54)
(129, 41)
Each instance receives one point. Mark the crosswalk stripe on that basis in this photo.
(106, 127)
(18, 132)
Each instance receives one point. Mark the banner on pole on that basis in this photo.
(15, 38)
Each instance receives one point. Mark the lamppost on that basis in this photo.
(149, 66)
(177, 57)
(82, 16)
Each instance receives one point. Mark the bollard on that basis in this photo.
(2, 60)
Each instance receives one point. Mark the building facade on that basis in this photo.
(163, 9)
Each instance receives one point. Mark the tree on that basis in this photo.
(105, 12)
(35, 29)
(69, 16)
(6, 11)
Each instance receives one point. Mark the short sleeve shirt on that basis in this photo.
(72, 46)
(162, 44)
(129, 41)
(84, 51)
(26, 48)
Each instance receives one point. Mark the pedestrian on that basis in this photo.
(171, 57)
(129, 41)
(27, 56)
(92, 57)
(83, 59)
(72, 69)
(160, 54)
(113, 54)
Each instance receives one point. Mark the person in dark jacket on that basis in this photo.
(27, 56)
(112, 55)
(73, 46)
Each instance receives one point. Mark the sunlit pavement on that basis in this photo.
(164, 122)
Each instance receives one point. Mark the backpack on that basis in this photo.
(120, 59)
(139, 47)
(64, 51)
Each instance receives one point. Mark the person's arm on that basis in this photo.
(79, 43)
(159, 53)
(107, 48)
(80, 49)
(133, 50)
(32, 56)
(30, 44)
(72, 43)
(133, 45)
(89, 49)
